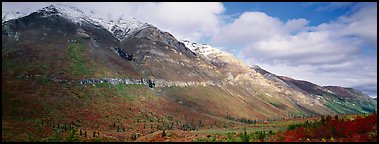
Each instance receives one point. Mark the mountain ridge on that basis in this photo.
(51, 61)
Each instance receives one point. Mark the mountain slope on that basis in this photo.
(340, 99)
(60, 65)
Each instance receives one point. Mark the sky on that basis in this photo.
(327, 43)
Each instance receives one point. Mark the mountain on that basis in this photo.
(340, 99)
(8, 15)
(63, 66)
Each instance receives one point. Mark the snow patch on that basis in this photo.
(204, 49)
(121, 28)
(9, 15)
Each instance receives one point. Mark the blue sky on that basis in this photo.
(317, 13)
(321, 42)
(350, 62)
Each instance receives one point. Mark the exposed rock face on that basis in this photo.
(166, 38)
(114, 81)
(148, 82)
(304, 85)
(349, 93)
(151, 83)
(122, 54)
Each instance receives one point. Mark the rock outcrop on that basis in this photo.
(148, 82)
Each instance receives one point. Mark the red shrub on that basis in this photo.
(357, 130)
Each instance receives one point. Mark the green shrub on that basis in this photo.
(119, 129)
(163, 133)
(260, 135)
(72, 137)
(245, 137)
(169, 118)
(134, 136)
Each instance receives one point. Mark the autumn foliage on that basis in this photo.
(360, 129)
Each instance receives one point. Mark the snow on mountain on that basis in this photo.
(8, 15)
(121, 28)
(203, 49)
(68, 12)
(209, 52)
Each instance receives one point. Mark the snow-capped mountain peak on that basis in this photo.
(213, 54)
(8, 15)
(204, 49)
(68, 12)
(121, 28)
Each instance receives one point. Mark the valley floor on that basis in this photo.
(260, 132)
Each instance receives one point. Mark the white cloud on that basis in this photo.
(295, 25)
(305, 47)
(363, 23)
(249, 27)
(263, 36)
(327, 54)
(357, 73)
(184, 20)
